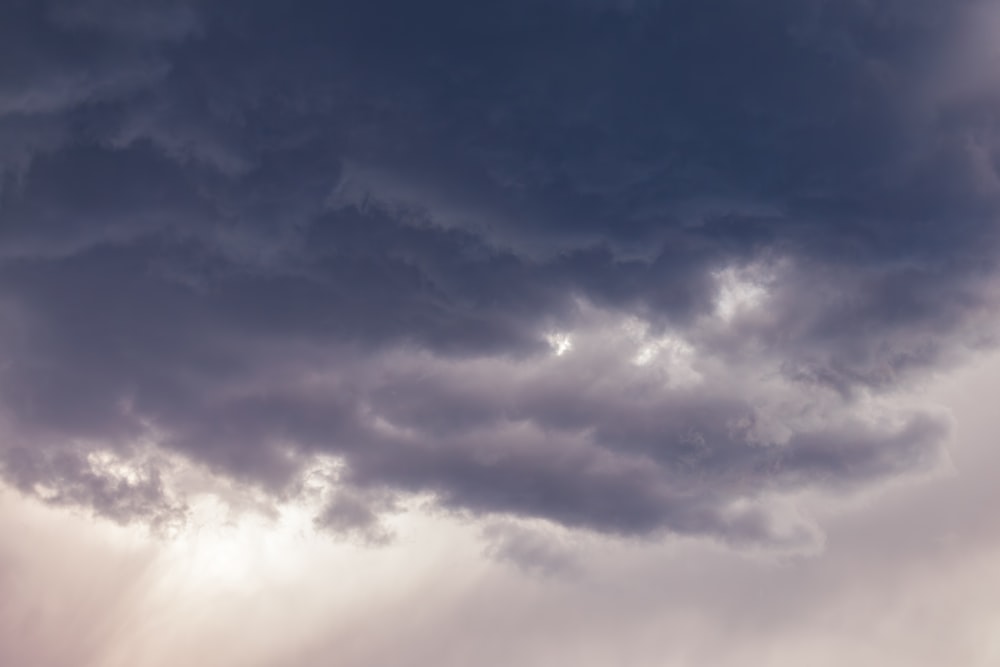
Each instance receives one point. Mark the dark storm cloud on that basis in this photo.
(255, 233)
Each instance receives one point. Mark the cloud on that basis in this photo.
(123, 488)
(535, 550)
(253, 236)
(908, 577)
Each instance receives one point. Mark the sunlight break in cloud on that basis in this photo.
(503, 318)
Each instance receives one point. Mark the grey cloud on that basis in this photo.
(138, 21)
(123, 489)
(357, 514)
(536, 551)
(352, 231)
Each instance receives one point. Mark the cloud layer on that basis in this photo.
(632, 267)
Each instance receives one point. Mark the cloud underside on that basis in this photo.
(651, 270)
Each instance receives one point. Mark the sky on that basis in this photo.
(592, 332)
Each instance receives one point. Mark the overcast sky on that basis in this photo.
(537, 332)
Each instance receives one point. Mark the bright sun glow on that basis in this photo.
(739, 292)
(561, 343)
